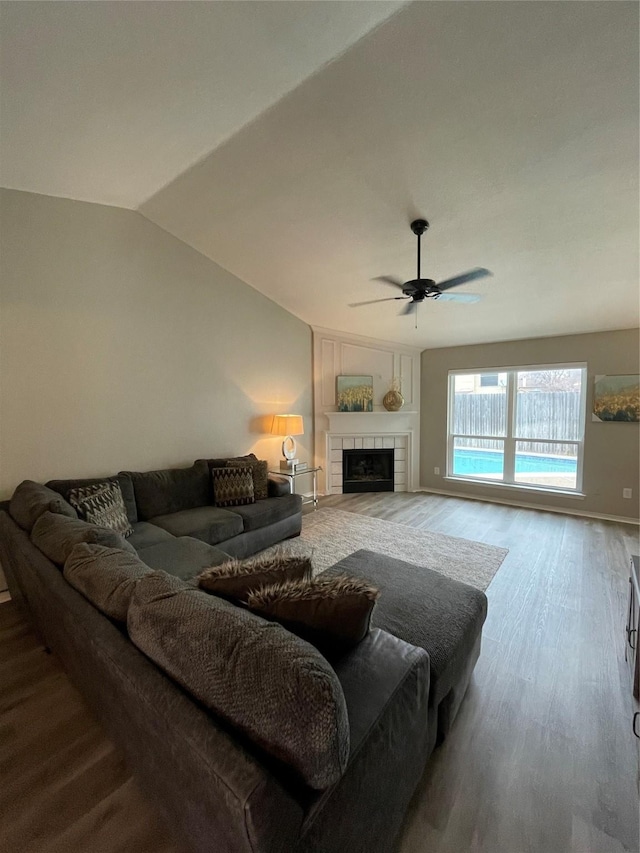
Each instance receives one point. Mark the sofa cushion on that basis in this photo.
(170, 490)
(105, 576)
(55, 535)
(64, 487)
(30, 500)
(427, 609)
(183, 557)
(333, 613)
(102, 504)
(146, 534)
(208, 523)
(262, 513)
(373, 674)
(236, 578)
(269, 684)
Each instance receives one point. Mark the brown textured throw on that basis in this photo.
(333, 613)
(235, 578)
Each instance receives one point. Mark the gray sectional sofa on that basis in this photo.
(177, 528)
(223, 786)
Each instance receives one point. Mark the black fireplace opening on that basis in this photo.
(367, 470)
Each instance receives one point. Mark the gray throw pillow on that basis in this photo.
(102, 504)
(276, 689)
(233, 486)
(105, 576)
(55, 535)
(235, 578)
(30, 500)
(333, 613)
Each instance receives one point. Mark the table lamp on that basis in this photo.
(288, 425)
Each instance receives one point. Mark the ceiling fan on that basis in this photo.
(419, 289)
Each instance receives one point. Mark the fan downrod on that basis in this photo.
(419, 226)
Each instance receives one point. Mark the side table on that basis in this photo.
(292, 475)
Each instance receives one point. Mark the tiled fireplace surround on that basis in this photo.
(354, 431)
(364, 442)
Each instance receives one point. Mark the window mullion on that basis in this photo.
(509, 441)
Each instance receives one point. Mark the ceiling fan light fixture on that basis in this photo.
(419, 289)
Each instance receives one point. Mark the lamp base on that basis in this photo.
(288, 464)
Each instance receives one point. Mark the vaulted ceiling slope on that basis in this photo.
(512, 127)
(108, 102)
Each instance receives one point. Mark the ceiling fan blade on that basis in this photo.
(409, 308)
(372, 301)
(388, 279)
(459, 297)
(472, 275)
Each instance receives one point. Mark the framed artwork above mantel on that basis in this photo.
(354, 393)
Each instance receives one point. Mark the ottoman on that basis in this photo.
(427, 609)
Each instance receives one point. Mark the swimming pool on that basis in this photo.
(479, 462)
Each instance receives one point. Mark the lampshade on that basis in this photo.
(287, 425)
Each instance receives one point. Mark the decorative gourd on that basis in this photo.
(393, 400)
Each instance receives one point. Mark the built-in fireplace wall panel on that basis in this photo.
(336, 353)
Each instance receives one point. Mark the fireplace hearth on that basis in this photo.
(367, 470)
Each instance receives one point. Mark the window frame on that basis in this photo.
(510, 440)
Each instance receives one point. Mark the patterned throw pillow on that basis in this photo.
(260, 472)
(332, 613)
(233, 486)
(236, 578)
(102, 504)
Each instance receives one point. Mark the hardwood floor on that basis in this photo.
(541, 758)
(65, 788)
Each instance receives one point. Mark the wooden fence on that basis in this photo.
(539, 415)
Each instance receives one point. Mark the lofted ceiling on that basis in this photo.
(512, 127)
(109, 101)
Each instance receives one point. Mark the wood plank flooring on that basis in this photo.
(541, 758)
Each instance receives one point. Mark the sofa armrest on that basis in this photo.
(386, 687)
(278, 486)
(376, 672)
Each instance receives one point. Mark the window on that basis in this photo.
(521, 426)
(488, 380)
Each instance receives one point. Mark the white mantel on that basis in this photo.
(364, 423)
(336, 353)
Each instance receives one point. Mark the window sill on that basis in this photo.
(519, 487)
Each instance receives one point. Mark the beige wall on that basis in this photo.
(123, 348)
(611, 449)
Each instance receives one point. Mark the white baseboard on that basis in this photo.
(524, 505)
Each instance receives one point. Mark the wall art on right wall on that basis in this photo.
(616, 398)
